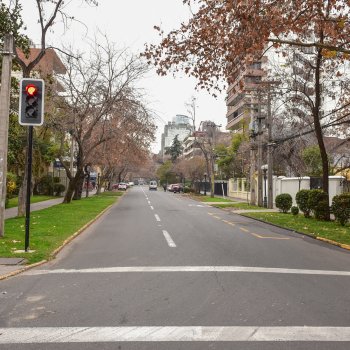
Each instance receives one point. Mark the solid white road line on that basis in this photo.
(154, 334)
(168, 238)
(118, 269)
(157, 217)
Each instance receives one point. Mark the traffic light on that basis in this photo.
(31, 102)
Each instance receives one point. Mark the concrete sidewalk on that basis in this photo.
(12, 212)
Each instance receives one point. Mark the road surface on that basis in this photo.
(161, 271)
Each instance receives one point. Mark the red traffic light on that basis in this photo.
(31, 90)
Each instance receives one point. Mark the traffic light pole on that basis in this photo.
(29, 185)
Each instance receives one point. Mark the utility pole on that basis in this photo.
(260, 153)
(269, 152)
(4, 121)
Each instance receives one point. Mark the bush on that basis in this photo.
(284, 202)
(294, 210)
(188, 190)
(58, 189)
(56, 180)
(45, 185)
(302, 199)
(341, 208)
(318, 204)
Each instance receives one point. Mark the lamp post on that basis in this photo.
(205, 184)
(264, 169)
(87, 173)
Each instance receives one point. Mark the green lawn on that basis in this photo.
(209, 199)
(13, 202)
(310, 226)
(237, 206)
(51, 226)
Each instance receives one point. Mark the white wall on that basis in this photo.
(282, 184)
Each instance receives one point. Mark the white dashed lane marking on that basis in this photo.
(169, 240)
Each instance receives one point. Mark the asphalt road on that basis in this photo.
(160, 271)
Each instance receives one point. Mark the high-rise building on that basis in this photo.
(180, 126)
(241, 100)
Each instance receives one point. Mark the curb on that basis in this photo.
(326, 240)
(57, 250)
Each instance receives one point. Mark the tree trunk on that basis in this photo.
(69, 194)
(318, 129)
(78, 189)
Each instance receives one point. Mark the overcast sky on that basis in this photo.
(129, 23)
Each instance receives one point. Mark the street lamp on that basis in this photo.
(205, 184)
(87, 174)
(264, 169)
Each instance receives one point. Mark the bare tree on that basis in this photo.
(47, 15)
(101, 104)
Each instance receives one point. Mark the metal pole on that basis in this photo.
(265, 193)
(260, 154)
(269, 152)
(252, 174)
(87, 184)
(29, 181)
(4, 122)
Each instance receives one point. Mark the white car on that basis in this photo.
(122, 186)
(153, 185)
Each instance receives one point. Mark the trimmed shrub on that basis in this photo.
(189, 190)
(318, 204)
(58, 189)
(302, 199)
(284, 202)
(294, 210)
(341, 208)
(45, 185)
(56, 180)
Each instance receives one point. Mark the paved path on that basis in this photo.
(159, 271)
(12, 212)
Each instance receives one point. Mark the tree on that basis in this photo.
(175, 150)
(165, 173)
(313, 161)
(101, 104)
(223, 33)
(231, 160)
(47, 13)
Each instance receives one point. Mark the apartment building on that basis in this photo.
(242, 101)
(180, 126)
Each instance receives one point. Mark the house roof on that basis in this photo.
(337, 145)
(50, 64)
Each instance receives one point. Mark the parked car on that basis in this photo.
(122, 186)
(131, 183)
(176, 188)
(153, 185)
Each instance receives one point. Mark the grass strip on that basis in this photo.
(13, 202)
(325, 229)
(238, 206)
(50, 227)
(202, 198)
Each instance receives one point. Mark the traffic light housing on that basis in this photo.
(31, 101)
